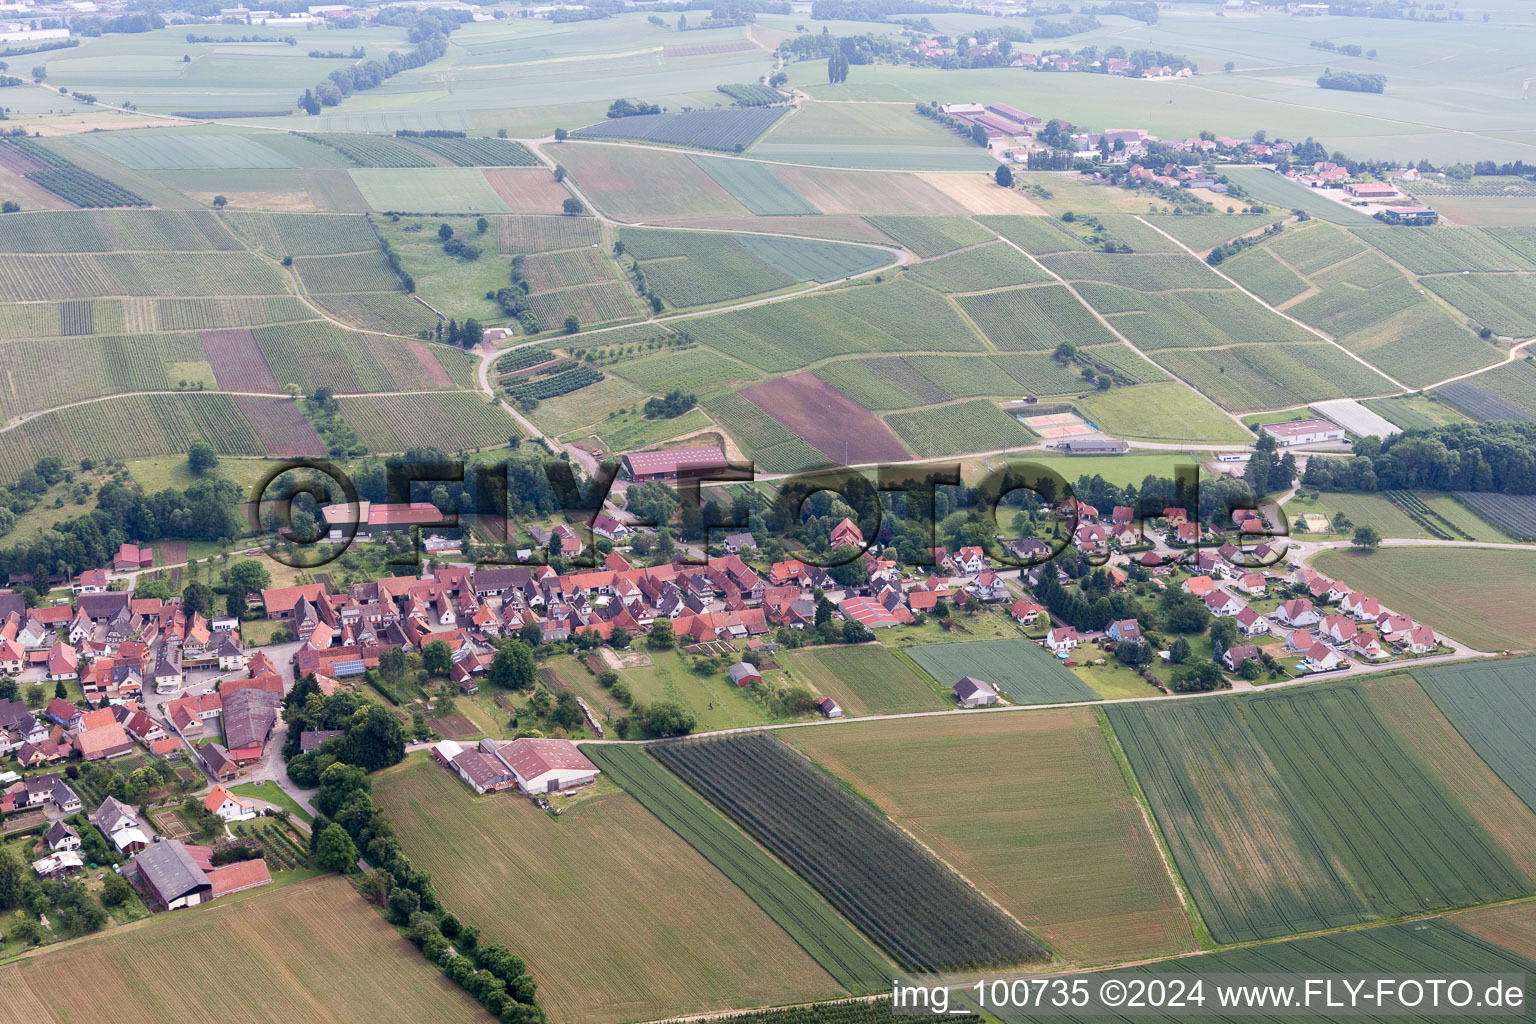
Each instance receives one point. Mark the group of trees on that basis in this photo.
(350, 825)
(1351, 81)
(1498, 455)
(631, 108)
(456, 246)
(208, 510)
(428, 30)
(71, 908)
(674, 404)
(372, 737)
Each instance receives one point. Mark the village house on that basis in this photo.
(1297, 612)
(1222, 603)
(120, 825)
(1233, 657)
(226, 805)
(1062, 639)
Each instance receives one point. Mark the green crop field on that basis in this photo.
(152, 152)
(830, 940)
(771, 446)
(1052, 786)
(1038, 236)
(1153, 272)
(357, 272)
(850, 852)
(1034, 319)
(1040, 374)
(544, 234)
(1493, 706)
(1237, 833)
(114, 231)
(1122, 362)
(905, 316)
(959, 429)
(1310, 248)
(1477, 596)
(287, 942)
(981, 269)
(1421, 345)
(1501, 302)
(962, 376)
(85, 276)
(1513, 383)
(390, 312)
(1206, 232)
(317, 353)
(33, 377)
(1406, 842)
(884, 382)
(864, 680)
(688, 268)
(375, 150)
(697, 371)
(1248, 377)
(785, 336)
(1020, 670)
(305, 234)
(1480, 711)
(933, 236)
(427, 190)
(757, 187)
(539, 884)
(1261, 273)
(1447, 252)
(1154, 411)
(450, 422)
(129, 427)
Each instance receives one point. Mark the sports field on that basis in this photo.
(1031, 809)
(1019, 669)
(273, 954)
(1476, 596)
(1159, 411)
(867, 679)
(616, 916)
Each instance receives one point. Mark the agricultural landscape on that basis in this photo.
(625, 514)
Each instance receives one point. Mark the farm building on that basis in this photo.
(1303, 432)
(974, 693)
(1370, 190)
(171, 874)
(673, 464)
(372, 518)
(1410, 215)
(743, 674)
(1094, 446)
(829, 708)
(546, 765)
(871, 613)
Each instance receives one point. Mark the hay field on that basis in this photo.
(1032, 809)
(617, 917)
(270, 957)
